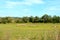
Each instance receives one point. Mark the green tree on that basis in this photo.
(36, 19)
(56, 19)
(25, 19)
(44, 18)
(31, 19)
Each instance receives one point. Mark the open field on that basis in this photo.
(30, 31)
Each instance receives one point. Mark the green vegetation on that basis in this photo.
(30, 28)
(29, 31)
(44, 19)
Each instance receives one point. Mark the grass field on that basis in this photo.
(30, 31)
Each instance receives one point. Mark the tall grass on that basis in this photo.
(29, 32)
(30, 35)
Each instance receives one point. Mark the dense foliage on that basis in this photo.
(44, 19)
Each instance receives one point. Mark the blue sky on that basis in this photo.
(20, 8)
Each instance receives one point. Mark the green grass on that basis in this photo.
(28, 31)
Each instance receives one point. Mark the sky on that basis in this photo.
(20, 8)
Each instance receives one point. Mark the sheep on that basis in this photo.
(17, 25)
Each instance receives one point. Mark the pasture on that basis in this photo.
(30, 31)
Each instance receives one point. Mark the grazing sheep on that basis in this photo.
(17, 25)
(55, 26)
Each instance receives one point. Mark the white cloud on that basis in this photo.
(1, 11)
(26, 10)
(10, 4)
(54, 8)
(35, 1)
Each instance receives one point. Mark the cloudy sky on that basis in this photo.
(29, 7)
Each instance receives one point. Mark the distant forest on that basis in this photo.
(44, 19)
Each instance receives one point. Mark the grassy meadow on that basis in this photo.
(30, 31)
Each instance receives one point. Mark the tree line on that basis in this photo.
(44, 19)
